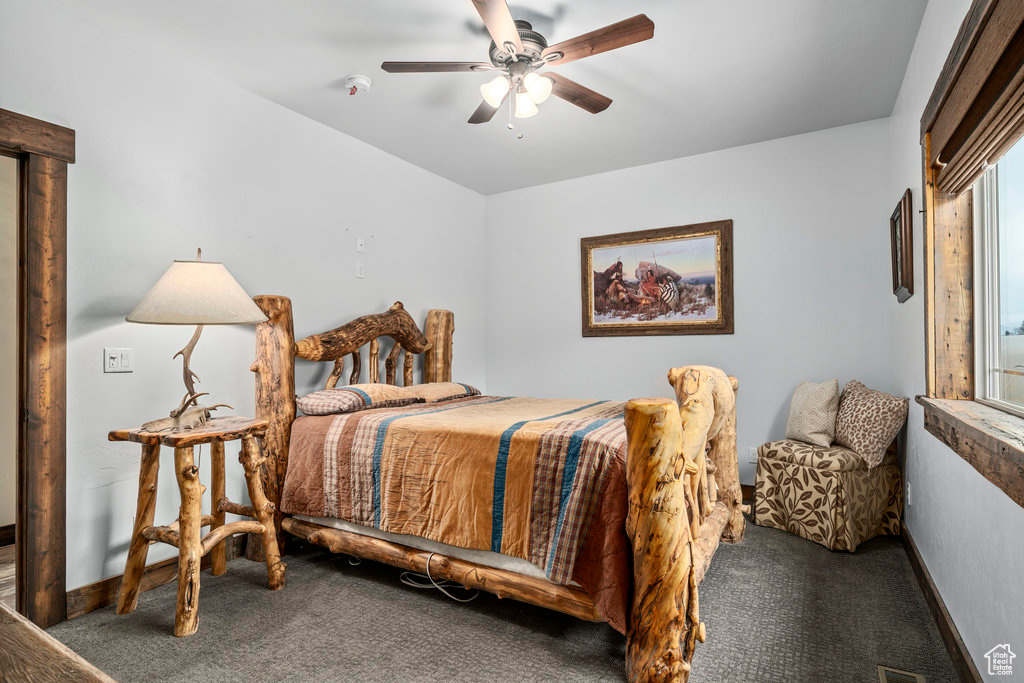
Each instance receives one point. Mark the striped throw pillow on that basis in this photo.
(433, 392)
(355, 397)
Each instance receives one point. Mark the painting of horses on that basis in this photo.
(665, 281)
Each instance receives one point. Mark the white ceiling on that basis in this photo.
(718, 73)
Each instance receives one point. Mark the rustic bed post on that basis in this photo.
(275, 401)
(437, 361)
(681, 503)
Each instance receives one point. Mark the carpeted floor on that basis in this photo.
(777, 608)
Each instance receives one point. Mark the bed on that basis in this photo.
(603, 510)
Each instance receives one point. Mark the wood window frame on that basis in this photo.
(983, 69)
(44, 151)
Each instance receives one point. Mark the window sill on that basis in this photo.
(991, 440)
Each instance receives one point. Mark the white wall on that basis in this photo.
(811, 275)
(8, 339)
(968, 531)
(171, 158)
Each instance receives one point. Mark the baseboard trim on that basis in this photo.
(97, 595)
(6, 534)
(962, 662)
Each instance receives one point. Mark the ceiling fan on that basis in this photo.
(519, 52)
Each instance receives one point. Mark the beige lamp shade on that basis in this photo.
(197, 293)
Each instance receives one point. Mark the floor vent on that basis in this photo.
(889, 675)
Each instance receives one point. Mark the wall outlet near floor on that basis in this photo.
(118, 360)
(360, 269)
(752, 455)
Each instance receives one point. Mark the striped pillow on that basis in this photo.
(433, 392)
(355, 397)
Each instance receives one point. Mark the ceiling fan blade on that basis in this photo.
(485, 112)
(421, 67)
(499, 23)
(610, 37)
(581, 96)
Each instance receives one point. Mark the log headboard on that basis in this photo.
(276, 351)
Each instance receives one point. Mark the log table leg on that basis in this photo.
(264, 509)
(128, 596)
(190, 550)
(218, 556)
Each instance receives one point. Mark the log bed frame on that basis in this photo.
(681, 475)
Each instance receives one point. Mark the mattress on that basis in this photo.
(536, 480)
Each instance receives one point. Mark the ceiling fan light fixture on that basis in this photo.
(537, 87)
(525, 107)
(494, 91)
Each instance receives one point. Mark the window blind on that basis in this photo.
(976, 112)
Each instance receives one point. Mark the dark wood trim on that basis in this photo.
(25, 135)
(102, 593)
(6, 534)
(958, 652)
(43, 151)
(41, 473)
(967, 37)
(991, 440)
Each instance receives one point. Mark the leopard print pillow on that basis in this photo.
(868, 421)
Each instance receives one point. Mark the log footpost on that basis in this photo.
(145, 509)
(190, 550)
(657, 524)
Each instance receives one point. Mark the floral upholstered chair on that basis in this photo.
(834, 479)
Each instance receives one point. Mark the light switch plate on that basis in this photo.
(118, 359)
(360, 269)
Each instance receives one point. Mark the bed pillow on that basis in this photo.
(355, 397)
(869, 420)
(433, 392)
(812, 413)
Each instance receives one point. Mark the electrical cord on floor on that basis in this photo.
(413, 579)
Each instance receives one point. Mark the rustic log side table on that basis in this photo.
(184, 532)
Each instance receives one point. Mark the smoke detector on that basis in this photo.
(357, 83)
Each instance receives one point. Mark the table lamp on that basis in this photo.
(194, 293)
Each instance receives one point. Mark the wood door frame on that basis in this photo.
(44, 151)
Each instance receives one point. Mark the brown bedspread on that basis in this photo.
(539, 479)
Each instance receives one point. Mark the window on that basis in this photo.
(999, 304)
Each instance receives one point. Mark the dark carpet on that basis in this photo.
(777, 608)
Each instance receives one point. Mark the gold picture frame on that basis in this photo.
(675, 280)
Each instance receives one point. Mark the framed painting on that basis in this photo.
(901, 228)
(665, 281)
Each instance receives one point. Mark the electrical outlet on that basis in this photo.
(118, 360)
(360, 269)
(752, 455)
(360, 244)
(908, 494)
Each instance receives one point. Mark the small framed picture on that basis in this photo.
(901, 229)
